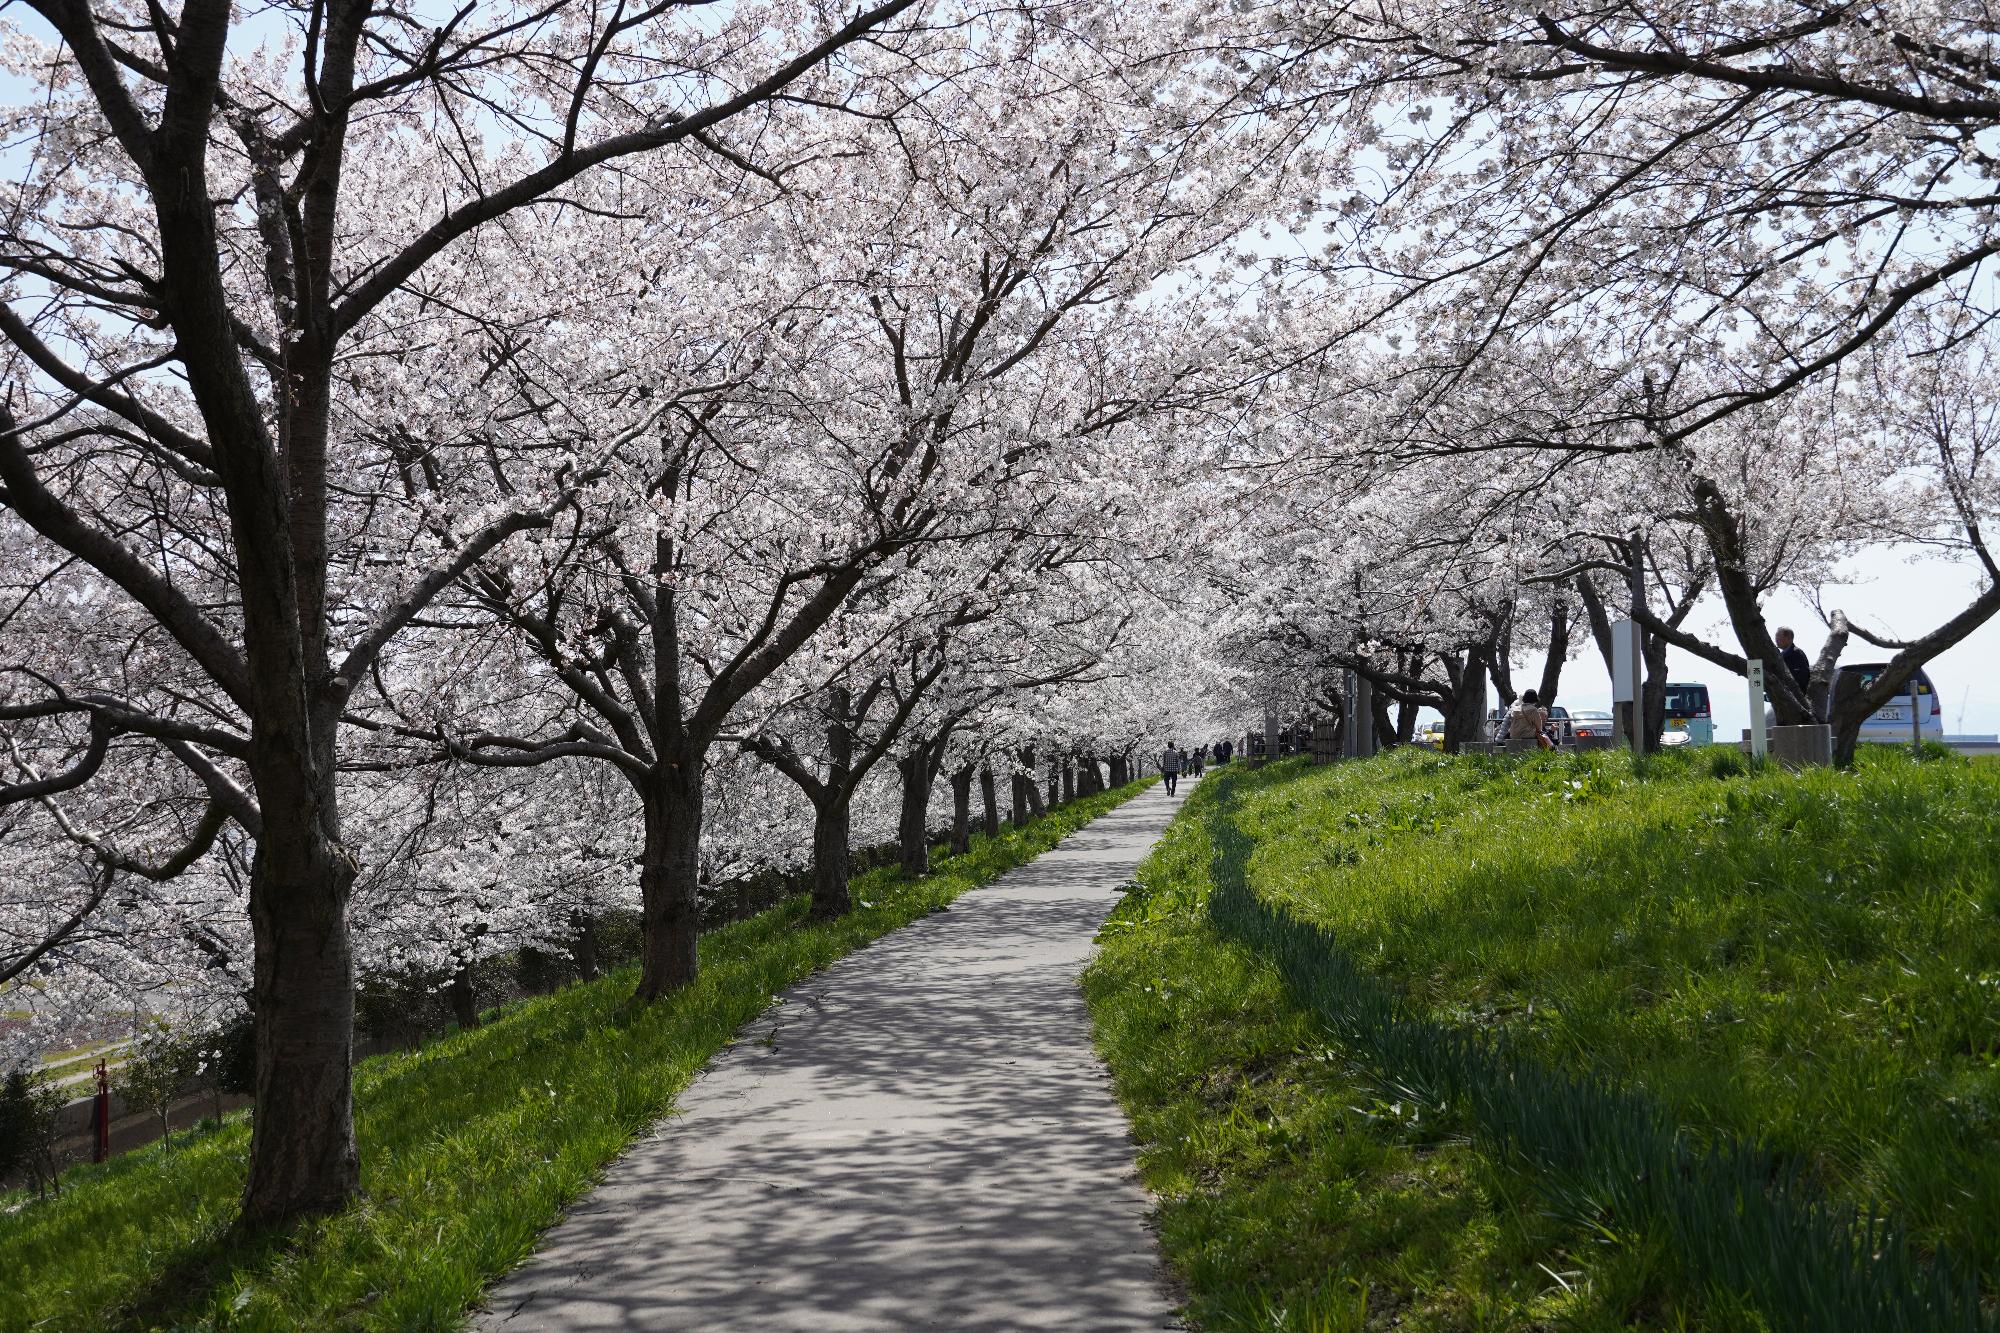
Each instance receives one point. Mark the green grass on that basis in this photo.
(1808, 961)
(1296, 1192)
(470, 1146)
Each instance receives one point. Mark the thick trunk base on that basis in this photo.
(670, 905)
(989, 794)
(832, 896)
(912, 831)
(961, 811)
(583, 947)
(464, 1000)
(303, 1161)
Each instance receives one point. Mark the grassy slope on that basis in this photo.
(1294, 1192)
(1815, 960)
(469, 1146)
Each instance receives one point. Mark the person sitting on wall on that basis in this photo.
(1527, 720)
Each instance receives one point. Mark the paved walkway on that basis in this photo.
(920, 1137)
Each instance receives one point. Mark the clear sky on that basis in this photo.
(1888, 592)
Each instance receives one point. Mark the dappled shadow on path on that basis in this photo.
(919, 1137)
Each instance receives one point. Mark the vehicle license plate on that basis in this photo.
(1678, 724)
(1891, 715)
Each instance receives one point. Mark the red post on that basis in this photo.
(100, 1114)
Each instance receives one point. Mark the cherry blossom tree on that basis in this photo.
(937, 329)
(188, 270)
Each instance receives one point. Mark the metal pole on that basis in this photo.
(1916, 719)
(1759, 739)
(1637, 576)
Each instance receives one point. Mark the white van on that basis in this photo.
(1891, 722)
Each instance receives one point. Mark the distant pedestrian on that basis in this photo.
(1194, 760)
(1794, 658)
(1527, 720)
(1222, 752)
(1170, 767)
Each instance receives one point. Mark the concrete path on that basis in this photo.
(920, 1137)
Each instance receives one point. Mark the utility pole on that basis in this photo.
(1636, 584)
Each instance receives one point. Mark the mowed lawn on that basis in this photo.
(1808, 961)
(470, 1146)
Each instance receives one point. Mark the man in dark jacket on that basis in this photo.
(1794, 658)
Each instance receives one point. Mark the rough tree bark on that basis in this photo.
(583, 946)
(961, 810)
(464, 1000)
(1552, 665)
(669, 902)
(913, 841)
(832, 867)
(1465, 718)
(990, 798)
(1029, 787)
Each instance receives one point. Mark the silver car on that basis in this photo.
(1891, 722)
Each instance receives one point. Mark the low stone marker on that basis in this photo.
(1802, 746)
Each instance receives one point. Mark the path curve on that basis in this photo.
(919, 1137)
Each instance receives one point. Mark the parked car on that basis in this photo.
(1688, 714)
(1430, 735)
(1589, 724)
(1559, 719)
(1891, 722)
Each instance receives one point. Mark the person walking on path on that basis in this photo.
(1170, 767)
(1794, 658)
(1527, 720)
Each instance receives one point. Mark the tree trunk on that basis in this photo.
(1017, 813)
(961, 811)
(1502, 672)
(1119, 774)
(1068, 781)
(1740, 596)
(991, 798)
(670, 909)
(1406, 722)
(1385, 726)
(913, 840)
(1846, 736)
(832, 858)
(1552, 665)
(583, 946)
(302, 1155)
(1030, 787)
(1654, 650)
(1465, 719)
(464, 1001)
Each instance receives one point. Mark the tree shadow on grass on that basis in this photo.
(185, 1287)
